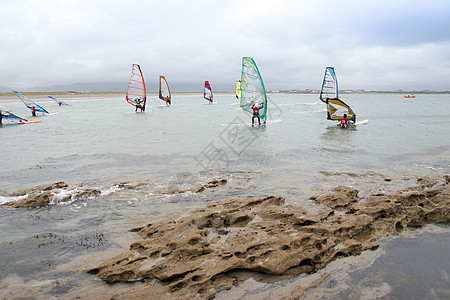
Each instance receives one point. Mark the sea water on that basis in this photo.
(100, 141)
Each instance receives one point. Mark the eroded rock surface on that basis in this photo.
(58, 192)
(193, 254)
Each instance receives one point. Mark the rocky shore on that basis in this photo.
(59, 192)
(195, 254)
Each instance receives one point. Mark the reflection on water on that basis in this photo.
(339, 137)
(413, 265)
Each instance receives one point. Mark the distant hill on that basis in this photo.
(4, 89)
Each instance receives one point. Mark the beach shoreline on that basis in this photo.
(73, 95)
(40, 96)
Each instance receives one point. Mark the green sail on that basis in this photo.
(253, 91)
(238, 89)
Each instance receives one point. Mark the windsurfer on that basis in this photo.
(256, 114)
(138, 104)
(33, 111)
(344, 122)
(168, 102)
(1, 118)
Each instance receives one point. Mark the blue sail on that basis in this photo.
(30, 104)
(329, 88)
(58, 101)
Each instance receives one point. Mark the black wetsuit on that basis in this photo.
(138, 104)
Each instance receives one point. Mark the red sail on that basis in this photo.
(207, 94)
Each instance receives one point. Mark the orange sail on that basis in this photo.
(165, 96)
(136, 93)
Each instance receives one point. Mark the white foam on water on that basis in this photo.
(6, 199)
(111, 190)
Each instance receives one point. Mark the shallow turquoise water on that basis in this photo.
(99, 142)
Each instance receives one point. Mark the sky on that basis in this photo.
(373, 44)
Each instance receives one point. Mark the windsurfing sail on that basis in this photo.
(58, 101)
(30, 104)
(336, 109)
(252, 90)
(137, 92)
(9, 115)
(238, 89)
(329, 94)
(329, 86)
(207, 93)
(8, 118)
(164, 95)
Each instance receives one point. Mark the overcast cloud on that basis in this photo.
(373, 44)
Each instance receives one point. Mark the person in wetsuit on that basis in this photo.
(138, 104)
(256, 114)
(344, 122)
